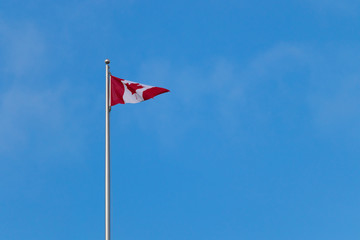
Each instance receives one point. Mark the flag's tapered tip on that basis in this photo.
(107, 61)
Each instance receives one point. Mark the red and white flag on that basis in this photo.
(124, 91)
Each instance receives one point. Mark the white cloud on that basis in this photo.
(33, 109)
(24, 111)
(269, 88)
(23, 49)
(342, 7)
(334, 98)
(222, 94)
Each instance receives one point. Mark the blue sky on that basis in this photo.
(258, 138)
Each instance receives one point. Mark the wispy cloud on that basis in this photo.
(337, 7)
(27, 112)
(223, 94)
(23, 49)
(285, 82)
(33, 110)
(334, 98)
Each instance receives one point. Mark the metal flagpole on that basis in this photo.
(107, 153)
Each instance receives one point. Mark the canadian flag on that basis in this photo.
(124, 91)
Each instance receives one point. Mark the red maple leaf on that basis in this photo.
(133, 87)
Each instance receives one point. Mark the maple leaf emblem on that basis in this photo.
(133, 87)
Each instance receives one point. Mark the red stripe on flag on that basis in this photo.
(117, 91)
(154, 91)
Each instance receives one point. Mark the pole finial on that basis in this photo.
(107, 61)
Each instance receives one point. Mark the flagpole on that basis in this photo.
(107, 153)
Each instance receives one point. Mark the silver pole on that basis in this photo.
(107, 155)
